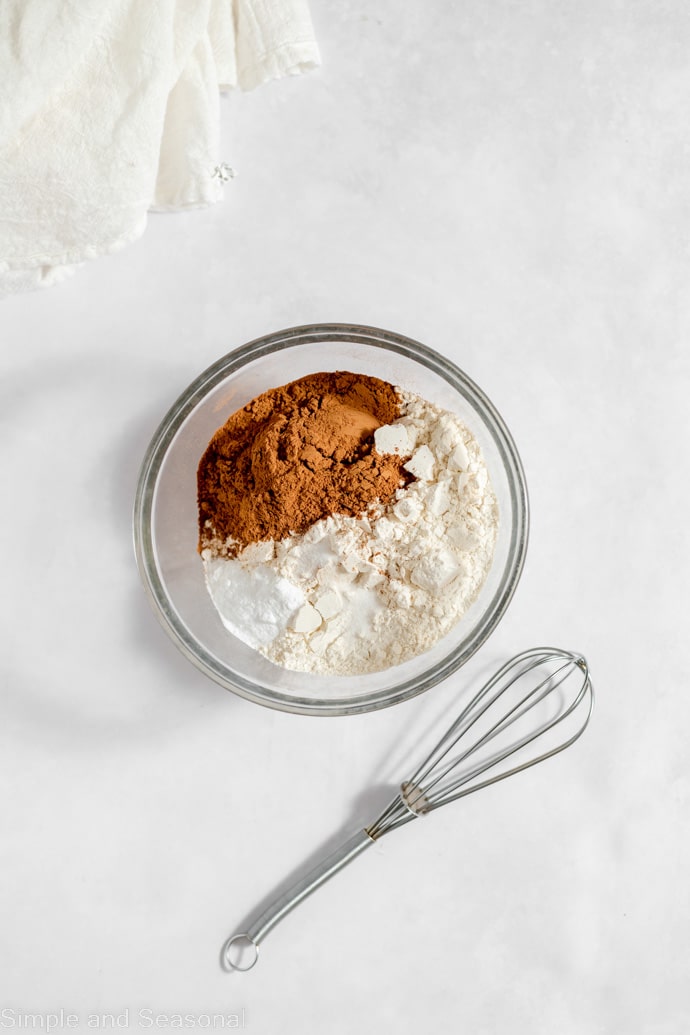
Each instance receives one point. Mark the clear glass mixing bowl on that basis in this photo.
(165, 514)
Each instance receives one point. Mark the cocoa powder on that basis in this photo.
(294, 455)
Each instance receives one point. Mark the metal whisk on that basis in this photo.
(538, 692)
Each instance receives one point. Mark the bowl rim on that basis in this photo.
(212, 376)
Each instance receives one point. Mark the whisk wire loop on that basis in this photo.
(459, 730)
(562, 680)
(513, 716)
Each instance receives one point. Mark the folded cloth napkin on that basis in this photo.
(110, 109)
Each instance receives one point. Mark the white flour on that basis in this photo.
(356, 595)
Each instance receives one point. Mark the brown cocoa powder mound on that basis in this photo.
(296, 454)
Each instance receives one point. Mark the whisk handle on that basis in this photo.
(284, 903)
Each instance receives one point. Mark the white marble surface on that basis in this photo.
(510, 184)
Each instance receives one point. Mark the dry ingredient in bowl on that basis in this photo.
(345, 524)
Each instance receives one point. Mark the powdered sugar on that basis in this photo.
(356, 595)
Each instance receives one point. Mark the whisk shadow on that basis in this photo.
(367, 805)
(395, 764)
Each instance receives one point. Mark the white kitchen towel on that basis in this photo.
(110, 108)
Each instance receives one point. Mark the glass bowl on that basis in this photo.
(165, 514)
